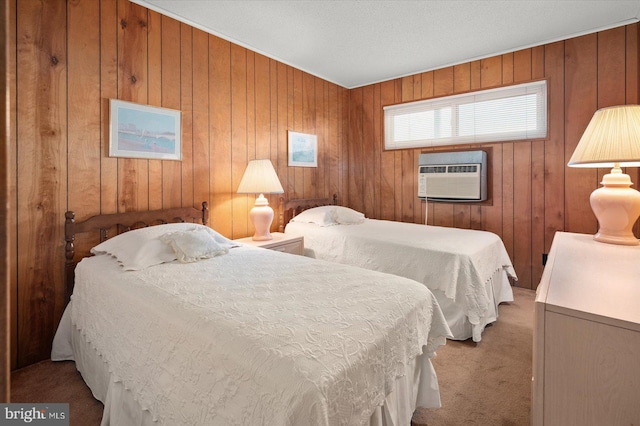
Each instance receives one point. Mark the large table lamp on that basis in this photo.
(260, 178)
(612, 139)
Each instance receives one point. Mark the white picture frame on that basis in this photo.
(303, 149)
(143, 131)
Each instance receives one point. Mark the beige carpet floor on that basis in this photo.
(487, 384)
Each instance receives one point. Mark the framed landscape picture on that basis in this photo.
(142, 131)
(303, 149)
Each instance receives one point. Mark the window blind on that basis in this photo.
(507, 113)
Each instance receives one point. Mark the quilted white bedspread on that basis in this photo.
(255, 336)
(458, 262)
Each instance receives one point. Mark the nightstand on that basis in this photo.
(280, 242)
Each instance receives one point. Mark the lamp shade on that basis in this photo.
(612, 136)
(260, 178)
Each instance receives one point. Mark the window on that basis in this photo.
(503, 114)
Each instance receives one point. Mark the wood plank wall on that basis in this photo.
(66, 60)
(5, 319)
(533, 192)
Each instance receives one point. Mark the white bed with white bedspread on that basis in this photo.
(467, 270)
(251, 337)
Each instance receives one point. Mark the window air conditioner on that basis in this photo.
(453, 176)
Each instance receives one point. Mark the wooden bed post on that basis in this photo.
(69, 253)
(205, 213)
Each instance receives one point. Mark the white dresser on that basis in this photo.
(586, 340)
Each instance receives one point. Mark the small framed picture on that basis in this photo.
(142, 131)
(303, 149)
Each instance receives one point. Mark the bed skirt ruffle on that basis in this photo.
(417, 388)
(498, 290)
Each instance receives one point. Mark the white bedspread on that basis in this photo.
(458, 262)
(255, 336)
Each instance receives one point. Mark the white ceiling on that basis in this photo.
(357, 42)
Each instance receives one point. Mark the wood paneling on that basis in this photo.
(356, 161)
(133, 174)
(186, 106)
(533, 193)
(581, 100)
(71, 57)
(42, 134)
(369, 151)
(12, 172)
(174, 83)
(239, 158)
(83, 76)
(219, 134)
(200, 123)
(5, 293)
(554, 159)
(108, 90)
(154, 97)
(66, 59)
(387, 160)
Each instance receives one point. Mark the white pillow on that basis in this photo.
(347, 216)
(193, 245)
(323, 216)
(141, 248)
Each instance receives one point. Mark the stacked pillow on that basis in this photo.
(186, 242)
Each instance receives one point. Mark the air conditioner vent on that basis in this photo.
(460, 168)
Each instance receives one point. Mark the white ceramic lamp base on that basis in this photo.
(617, 207)
(261, 216)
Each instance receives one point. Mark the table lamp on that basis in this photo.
(260, 178)
(612, 139)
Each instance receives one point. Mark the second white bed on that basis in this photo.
(467, 270)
